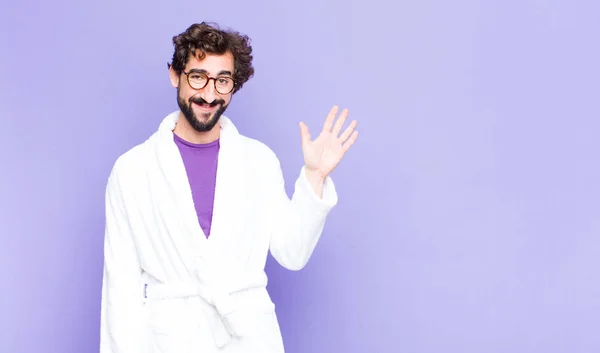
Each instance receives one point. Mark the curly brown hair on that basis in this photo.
(207, 38)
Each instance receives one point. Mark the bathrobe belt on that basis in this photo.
(225, 314)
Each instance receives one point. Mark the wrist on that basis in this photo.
(316, 180)
(314, 175)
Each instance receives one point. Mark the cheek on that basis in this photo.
(185, 94)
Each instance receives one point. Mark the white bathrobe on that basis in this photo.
(169, 289)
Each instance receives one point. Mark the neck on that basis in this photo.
(185, 131)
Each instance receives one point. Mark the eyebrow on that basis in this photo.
(221, 73)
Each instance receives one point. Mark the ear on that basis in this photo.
(173, 76)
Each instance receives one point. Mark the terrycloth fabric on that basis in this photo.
(166, 287)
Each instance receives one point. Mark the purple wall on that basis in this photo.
(469, 214)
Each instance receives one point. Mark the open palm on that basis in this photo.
(324, 153)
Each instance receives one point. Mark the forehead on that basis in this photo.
(211, 63)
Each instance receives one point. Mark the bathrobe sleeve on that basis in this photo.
(297, 224)
(122, 292)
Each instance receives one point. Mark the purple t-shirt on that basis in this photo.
(200, 162)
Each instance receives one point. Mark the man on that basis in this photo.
(192, 212)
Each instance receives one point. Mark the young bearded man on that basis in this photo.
(192, 212)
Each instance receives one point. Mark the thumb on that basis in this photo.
(304, 133)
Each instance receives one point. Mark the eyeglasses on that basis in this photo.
(199, 80)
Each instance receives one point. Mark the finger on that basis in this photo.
(348, 130)
(346, 146)
(329, 120)
(304, 133)
(340, 122)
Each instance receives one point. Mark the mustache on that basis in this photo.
(200, 100)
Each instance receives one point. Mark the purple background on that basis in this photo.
(469, 213)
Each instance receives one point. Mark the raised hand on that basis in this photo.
(322, 155)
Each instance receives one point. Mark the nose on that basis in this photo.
(209, 93)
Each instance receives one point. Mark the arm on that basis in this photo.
(297, 224)
(122, 291)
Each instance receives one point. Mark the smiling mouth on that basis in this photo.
(205, 106)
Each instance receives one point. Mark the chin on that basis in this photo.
(204, 124)
(204, 117)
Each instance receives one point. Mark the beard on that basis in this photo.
(208, 121)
